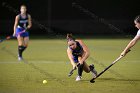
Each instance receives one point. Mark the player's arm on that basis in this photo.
(70, 56)
(29, 22)
(130, 45)
(86, 51)
(16, 24)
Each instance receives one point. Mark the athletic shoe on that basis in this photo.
(93, 71)
(78, 78)
(20, 58)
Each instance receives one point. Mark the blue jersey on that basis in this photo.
(77, 52)
(22, 25)
(23, 22)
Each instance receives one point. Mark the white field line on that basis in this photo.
(35, 62)
(56, 62)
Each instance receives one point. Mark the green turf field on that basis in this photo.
(47, 59)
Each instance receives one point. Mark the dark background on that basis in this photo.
(59, 17)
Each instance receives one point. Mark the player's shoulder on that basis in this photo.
(78, 40)
(18, 16)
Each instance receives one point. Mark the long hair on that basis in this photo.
(70, 37)
(137, 19)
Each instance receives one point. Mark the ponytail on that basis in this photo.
(70, 37)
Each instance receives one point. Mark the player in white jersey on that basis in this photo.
(135, 39)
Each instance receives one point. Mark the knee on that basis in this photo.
(87, 71)
(26, 45)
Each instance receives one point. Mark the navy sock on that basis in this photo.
(91, 67)
(24, 48)
(80, 69)
(20, 50)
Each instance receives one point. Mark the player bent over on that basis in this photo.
(78, 52)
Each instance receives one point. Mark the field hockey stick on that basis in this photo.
(71, 72)
(7, 38)
(10, 37)
(92, 80)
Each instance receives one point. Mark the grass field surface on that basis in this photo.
(46, 59)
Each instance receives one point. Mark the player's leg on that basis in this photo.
(86, 67)
(90, 68)
(93, 71)
(26, 42)
(26, 38)
(80, 69)
(20, 47)
(20, 40)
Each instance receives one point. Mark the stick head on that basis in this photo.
(70, 74)
(92, 81)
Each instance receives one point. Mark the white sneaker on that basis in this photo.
(78, 78)
(20, 58)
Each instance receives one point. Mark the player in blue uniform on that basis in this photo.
(135, 39)
(78, 52)
(22, 24)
